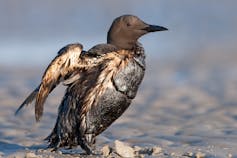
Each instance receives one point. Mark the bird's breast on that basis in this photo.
(124, 72)
(119, 71)
(129, 77)
(120, 85)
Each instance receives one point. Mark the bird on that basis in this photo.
(101, 83)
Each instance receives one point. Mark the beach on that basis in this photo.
(185, 107)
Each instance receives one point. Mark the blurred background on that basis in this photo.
(187, 100)
(31, 32)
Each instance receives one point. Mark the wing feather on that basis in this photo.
(61, 69)
(63, 65)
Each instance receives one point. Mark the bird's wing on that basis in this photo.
(62, 67)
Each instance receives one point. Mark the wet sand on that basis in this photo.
(185, 107)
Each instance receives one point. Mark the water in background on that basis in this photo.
(31, 32)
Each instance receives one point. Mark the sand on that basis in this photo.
(186, 108)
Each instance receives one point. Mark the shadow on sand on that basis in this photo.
(8, 148)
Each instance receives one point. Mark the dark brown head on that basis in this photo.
(125, 31)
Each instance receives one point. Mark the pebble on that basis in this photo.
(31, 155)
(156, 150)
(173, 154)
(200, 155)
(146, 151)
(123, 149)
(189, 154)
(106, 150)
(59, 152)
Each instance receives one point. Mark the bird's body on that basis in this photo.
(107, 79)
(98, 98)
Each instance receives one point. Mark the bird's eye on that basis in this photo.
(128, 24)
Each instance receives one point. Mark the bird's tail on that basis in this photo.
(40, 100)
(28, 100)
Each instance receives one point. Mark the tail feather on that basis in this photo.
(28, 100)
(40, 100)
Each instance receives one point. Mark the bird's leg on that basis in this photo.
(85, 146)
(53, 147)
(90, 138)
(88, 144)
(55, 141)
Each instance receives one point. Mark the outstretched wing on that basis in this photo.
(59, 70)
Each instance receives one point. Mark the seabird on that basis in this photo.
(101, 83)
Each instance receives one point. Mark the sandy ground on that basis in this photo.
(184, 107)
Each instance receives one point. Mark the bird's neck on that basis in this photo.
(135, 48)
(138, 49)
(123, 44)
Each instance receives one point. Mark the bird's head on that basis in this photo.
(127, 29)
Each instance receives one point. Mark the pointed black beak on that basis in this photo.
(154, 28)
